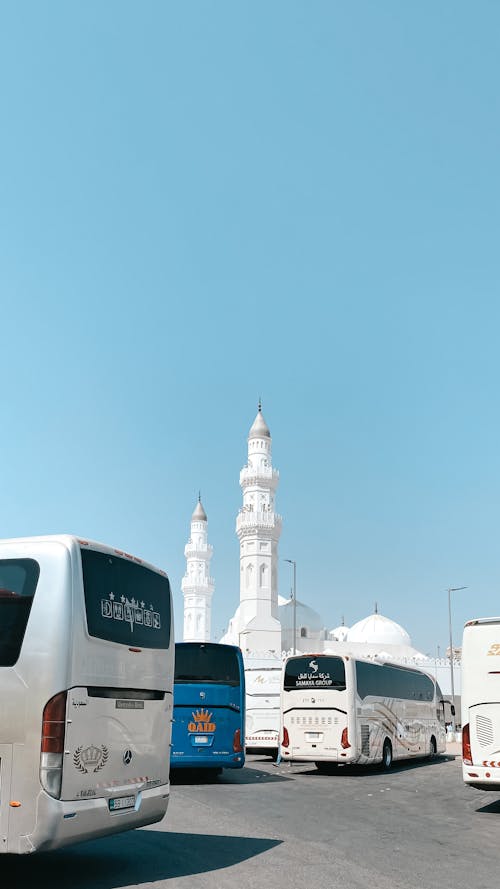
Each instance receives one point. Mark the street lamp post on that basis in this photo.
(294, 564)
(452, 589)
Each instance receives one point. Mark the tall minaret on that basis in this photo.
(258, 528)
(197, 585)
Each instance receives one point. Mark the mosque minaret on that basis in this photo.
(258, 528)
(197, 585)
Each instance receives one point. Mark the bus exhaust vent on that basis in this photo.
(365, 740)
(484, 730)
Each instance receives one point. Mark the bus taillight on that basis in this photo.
(466, 751)
(52, 744)
(286, 739)
(344, 741)
(237, 747)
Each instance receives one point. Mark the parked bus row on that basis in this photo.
(87, 694)
(328, 709)
(92, 715)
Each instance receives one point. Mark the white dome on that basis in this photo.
(378, 630)
(339, 634)
(304, 616)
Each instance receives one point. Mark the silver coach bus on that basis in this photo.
(86, 681)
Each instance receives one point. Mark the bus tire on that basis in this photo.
(433, 748)
(386, 755)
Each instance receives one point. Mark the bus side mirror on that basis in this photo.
(452, 708)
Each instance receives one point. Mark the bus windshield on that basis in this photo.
(315, 672)
(200, 662)
(18, 580)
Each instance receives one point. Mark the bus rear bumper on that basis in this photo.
(61, 822)
(265, 741)
(232, 761)
(319, 755)
(483, 777)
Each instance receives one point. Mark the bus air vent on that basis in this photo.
(365, 740)
(484, 730)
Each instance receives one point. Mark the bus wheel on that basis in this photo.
(433, 748)
(387, 755)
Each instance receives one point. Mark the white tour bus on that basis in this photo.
(262, 704)
(86, 680)
(345, 709)
(481, 703)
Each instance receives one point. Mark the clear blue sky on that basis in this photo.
(205, 202)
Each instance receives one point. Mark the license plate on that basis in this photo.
(313, 736)
(201, 739)
(121, 802)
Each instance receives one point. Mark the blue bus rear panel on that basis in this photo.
(208, 728)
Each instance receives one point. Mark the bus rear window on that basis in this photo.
(18, 580)
(125, 602)
(206, 662)
(315, 672)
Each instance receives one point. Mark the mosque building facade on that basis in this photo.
(263, 622)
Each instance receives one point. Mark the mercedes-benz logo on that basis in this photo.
(127, 756)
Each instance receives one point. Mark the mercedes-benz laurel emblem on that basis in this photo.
(127, 756)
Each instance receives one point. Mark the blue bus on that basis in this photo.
(208, 730)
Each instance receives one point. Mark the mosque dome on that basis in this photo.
(259, 427)
(378, 630)
(199, 514)
(304, 616)
(339, 634)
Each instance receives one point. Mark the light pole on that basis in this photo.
(452, 589)
(292, 562)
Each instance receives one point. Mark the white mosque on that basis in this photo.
(263, 623)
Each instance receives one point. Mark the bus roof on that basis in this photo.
(477, 621)
(71, 541)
